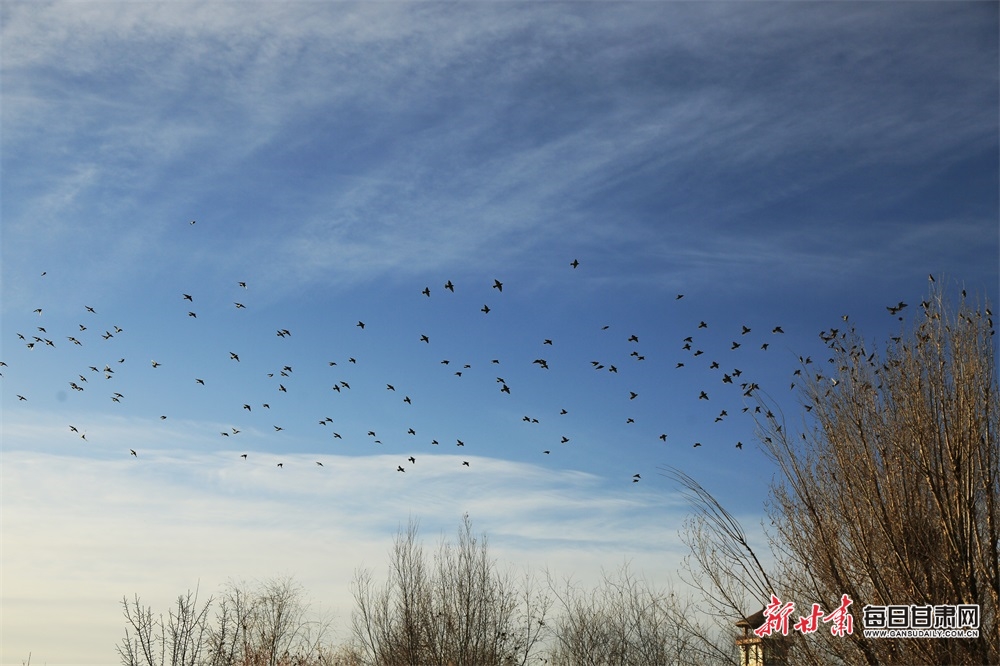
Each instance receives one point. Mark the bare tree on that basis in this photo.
(458, 609)
(626, 621)
(267, 625)
(151, 640)
(890, 491)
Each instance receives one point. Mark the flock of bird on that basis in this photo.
(730, 377)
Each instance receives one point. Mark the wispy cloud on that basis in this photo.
(509, 128)
(168, 520)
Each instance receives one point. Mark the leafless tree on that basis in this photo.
(890, 490)
(626, 621)
(151, 640)
(266, 625)
(458, 609)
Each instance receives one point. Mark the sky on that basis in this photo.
(777, 164)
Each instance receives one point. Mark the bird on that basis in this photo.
(281, 464)
(739, 445)
(132, 451)
(412, 460)
(449, 286)
(702, 325)
(633, 338)
(407, 400)
(242, 284)
(200, 381)
(156, 365)
(319, 463)
(632, 395)
(187, 297)
(696, 445)
(390, 387)
(192, 315)
(465, 463)
(399, 468)
(239, 305)
(426, 292)
(703, 396)
(424, 338)
(90, 309)
(281, 387)
(411, 431)
(244, 456)
(361, 325)
(498, 285)
(546, 341)
(278, 428)
(736, 345)
(777, 329)
(247, 407)
(663, 437)
(746, 329)
(564, 440)
(574, 263)
(460, 442)
(485, 309)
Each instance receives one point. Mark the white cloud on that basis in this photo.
(81, 532)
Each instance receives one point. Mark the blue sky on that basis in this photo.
(779, 164)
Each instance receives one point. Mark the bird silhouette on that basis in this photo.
(361, 325)
(498, 285)
(132, 451)
(412, 460)
(449, 286)
(465, 463)
(426, 292)
(485, 309)
(187, 297)
(574, 263)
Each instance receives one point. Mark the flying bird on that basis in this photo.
(574, 263)
(485, 309)
(187, 297)
(132, 451)
(426, 291)
(498, 285)
(449, 286)
(242, 284)
(361, 325)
